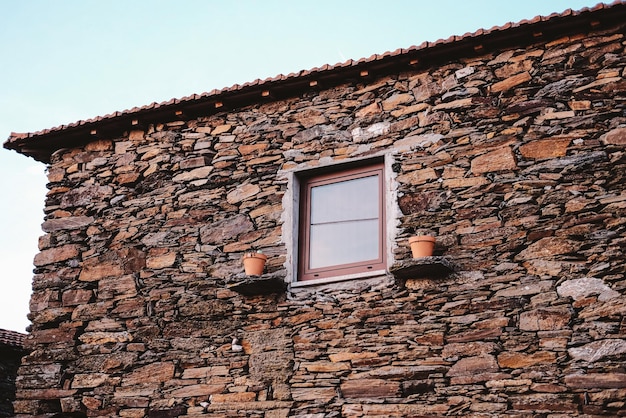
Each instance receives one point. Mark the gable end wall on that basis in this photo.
(515, 160)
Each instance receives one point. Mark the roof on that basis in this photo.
(12, 338)
(40, 145)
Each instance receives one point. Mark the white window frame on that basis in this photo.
(291, 214)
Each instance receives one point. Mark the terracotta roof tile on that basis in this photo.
(12, 338)
(17, 141)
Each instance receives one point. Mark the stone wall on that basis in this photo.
(515, 159)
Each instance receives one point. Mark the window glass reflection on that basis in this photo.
(344, 222)
(343, 243)
(346, 200)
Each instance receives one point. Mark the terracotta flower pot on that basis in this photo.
(422, 245)
(254, 263)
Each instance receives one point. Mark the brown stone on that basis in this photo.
(221, 129)
(409, 110)
(202, 390)
(548, 247)
(161, 261)
(252, 148)
(545, 148)
(580, 104)
(105, 337)
(194, 162)
(369, 388)
(84, 196)
(233, 397)
(305, 317)
(55, 174)
(318, 394)
(133, 393)
(73, 297)
(117, 287)
(478, 377)
(455, 104)
(597, 83)
(69, 222)
(57, 254)
(474, 335)
(91, 402)
(396, 100)
(351, 356)
(136, 135)
(95, 269)
(465, 182)
(46, 393)
(616, 136)
(51, 315)
(200, 173)
(217, 232)
(545, 319)
(325, 367)
(543, 402)
(155, 372)
(418, 176)
(514, 360)
(468, 349)
(596, 381)
(368, 110)
(90, 380)
(470, 365)
(241, 193)
(510, 82)
(417, 141)
(513, 67)
(501, 159)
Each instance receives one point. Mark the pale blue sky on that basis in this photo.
(66, 60)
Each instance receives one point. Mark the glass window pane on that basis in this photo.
(346, 200)
(342, 243)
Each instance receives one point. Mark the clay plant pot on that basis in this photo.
(422, 245)
(254, 263)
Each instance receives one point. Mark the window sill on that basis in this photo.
(423, 268)
(258, 285)
(328, 280)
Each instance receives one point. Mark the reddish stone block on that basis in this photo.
(370, 388)
(513, 360)
(73, 297)
(501, 159)
(596, 381)
(57, 254)
(545, 148)
(156, 372)
(95, 269)
(545, 319)
(616, 136)
(470, 365)
(510, 82)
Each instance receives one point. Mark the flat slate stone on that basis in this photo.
(425, 267)
(258, 285)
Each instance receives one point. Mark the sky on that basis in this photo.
(66, 60)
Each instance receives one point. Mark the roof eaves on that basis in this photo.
(12, 338)
(40, 145)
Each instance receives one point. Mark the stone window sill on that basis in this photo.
(258, 285)
(423, 268)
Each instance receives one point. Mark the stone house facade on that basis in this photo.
(11, 351)
(508, 144)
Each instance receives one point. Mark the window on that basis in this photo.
(342, 228)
